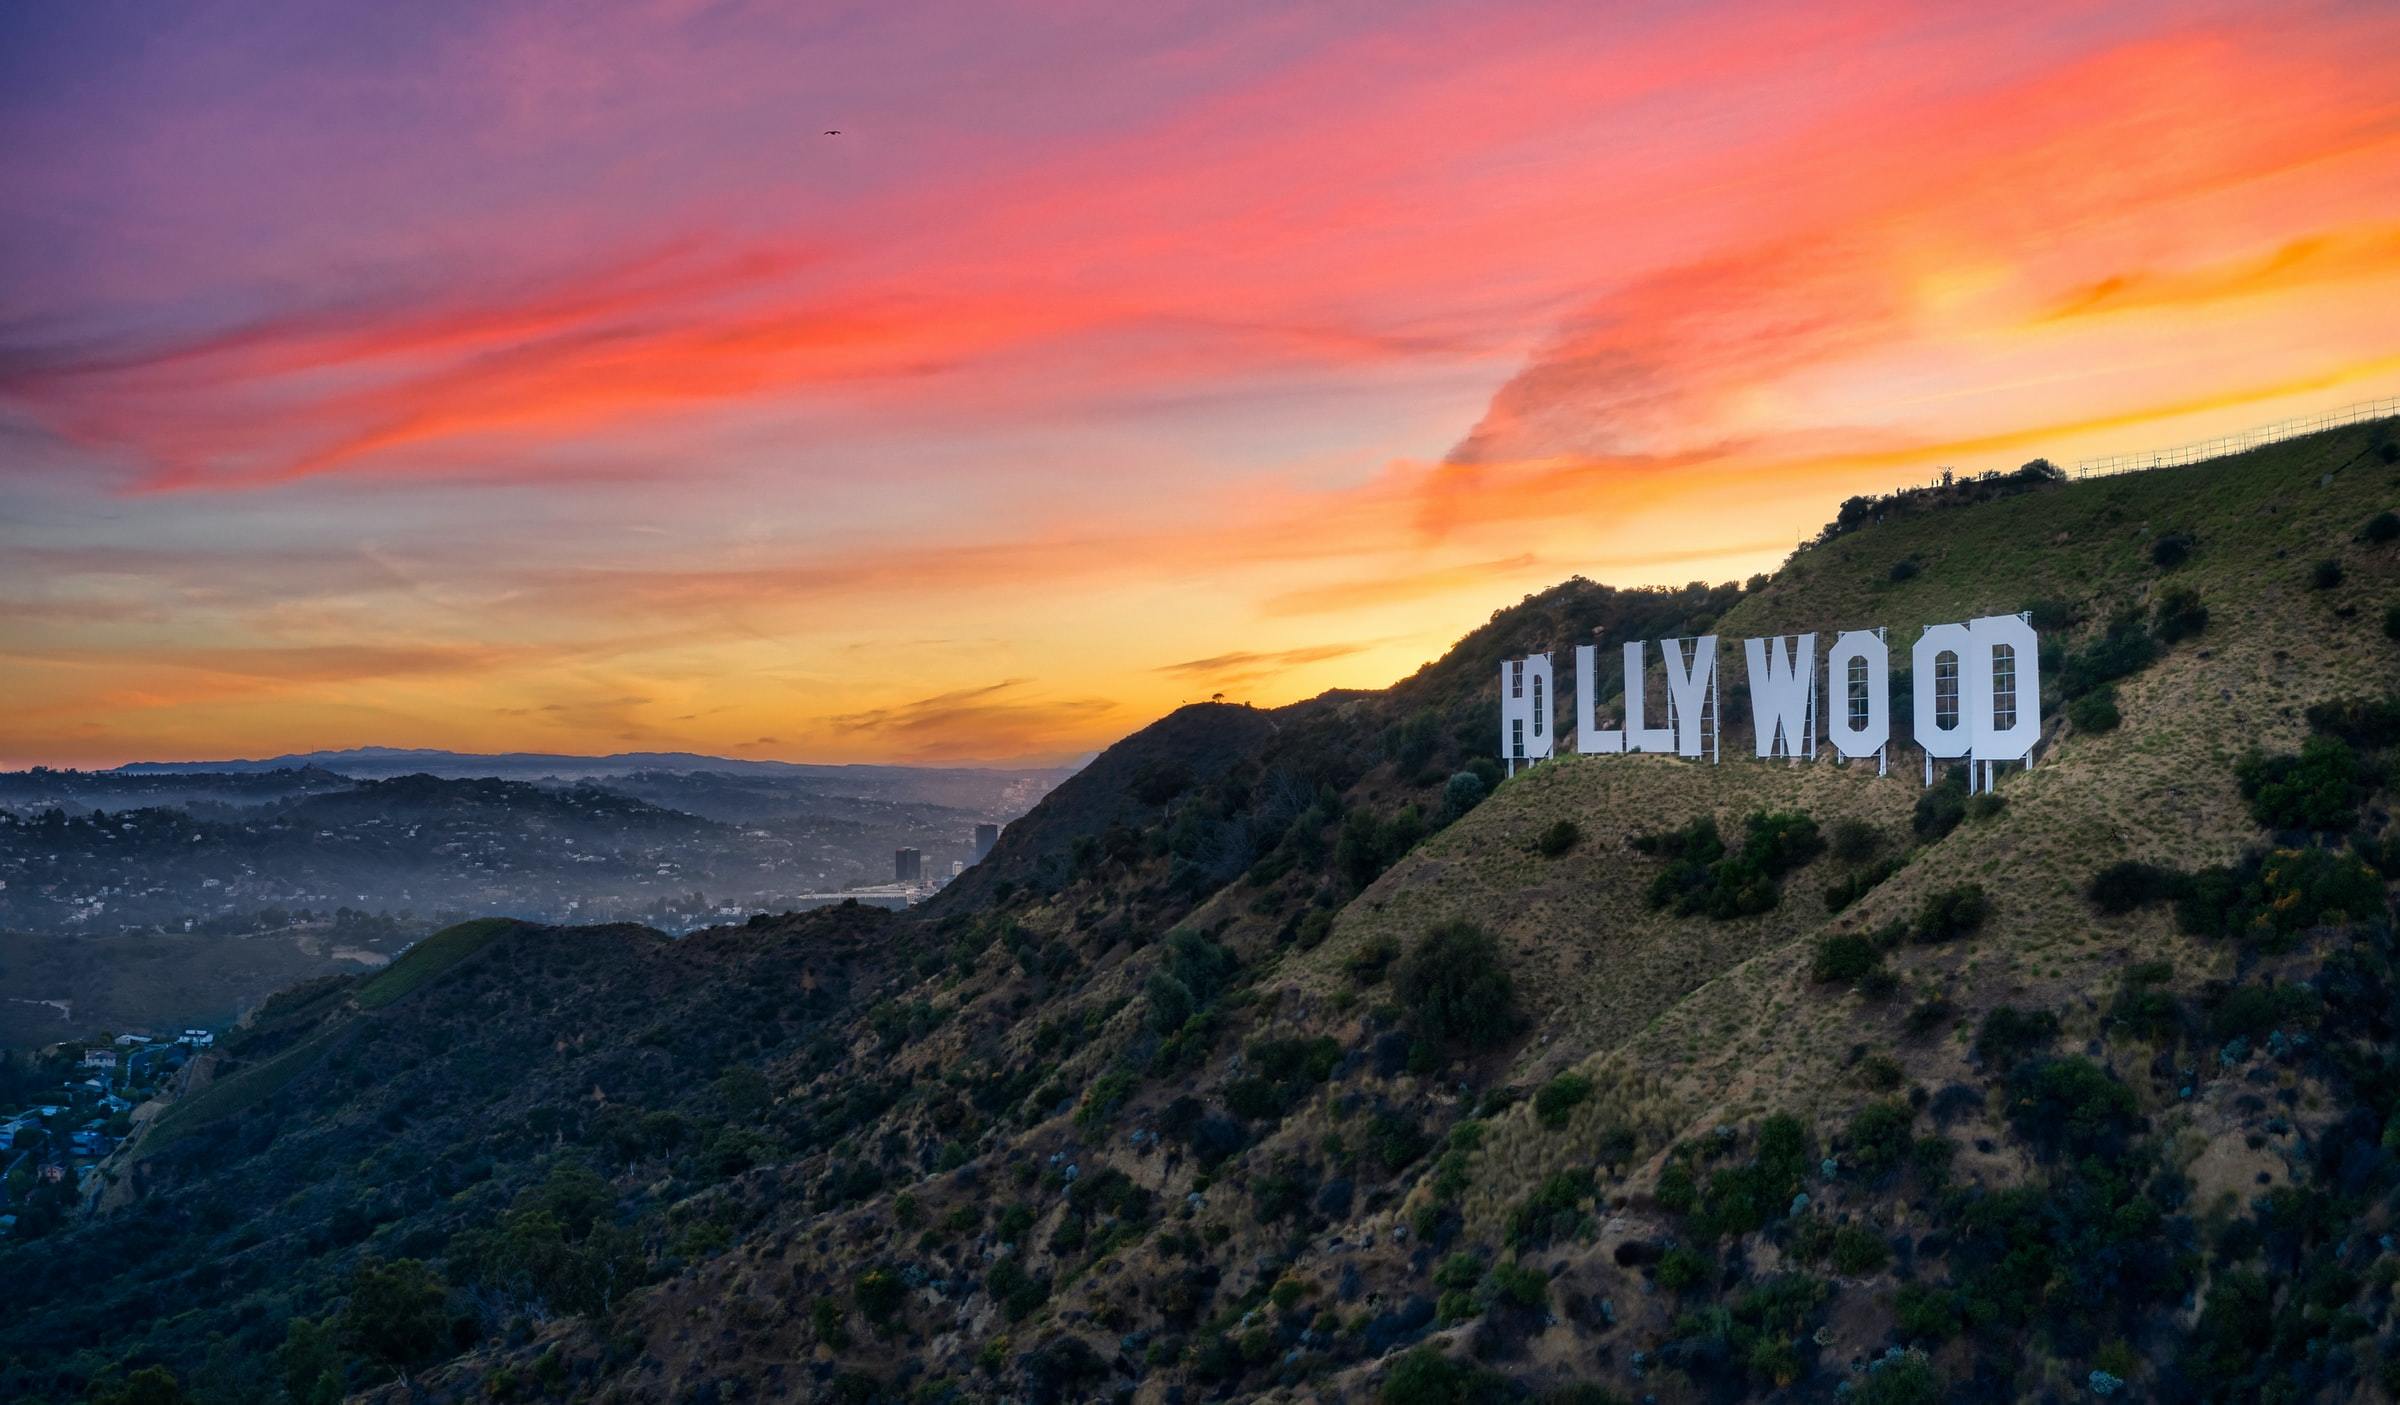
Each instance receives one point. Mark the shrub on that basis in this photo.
(1518, 1286)
(1951, 913)
(879, 1293)
(1842, 892)
(2179, 615)
(2125, 648)
(2391, 622)
(2252, 1011)
(1844, 956)
(1552, 1211)
(1877, 1138)
(1373, 957)
(2009, 1034)
(1906, 1380)
(1941, 806)
(1170, 1002)
(2368, 723)
(1853, 840)
(1930, 1014)
(1905, 569)
(1559, 837)
(1455, 987)
(2070, 1106)
(2051, 616)
(1683, 1268)
(1922, 1310)
(2382, 527)
(2319, 789)
(2095, 711)
(2123, 886)
(1426, 1377)
(2271, 896)
(1676, 1189)
(2171, 550)
(2141, 1007)
(1555, 1101)
(1462, 793)
(1280, 1073)
(2325, 574)
(1857, 1252)
(1702, 877)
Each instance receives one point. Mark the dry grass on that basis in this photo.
(1688, 1023)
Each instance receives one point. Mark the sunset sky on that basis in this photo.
(540, 376)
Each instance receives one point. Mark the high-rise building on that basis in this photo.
(986, 835)
(907, 865)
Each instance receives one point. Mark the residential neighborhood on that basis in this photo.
(74, 1104)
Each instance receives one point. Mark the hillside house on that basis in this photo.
(99, 1058)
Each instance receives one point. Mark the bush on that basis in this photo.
(1553, 1211)
(1940, 808)
(2051, 616)
(2071, 1106)
(1518, 1286)
(2125, 648)
(1857, 1252)
(1924, 1311)
(2391, 623)
(2095, 711)
(1845, 956)
(1683, 1268)
(1842, 892)
(2382, 527)
(1853, 840)
(2271, 896)
(1702, 877)
(1557, 1099)
(1905, 569)
(1907, 1380)
(2319, 789)
(2123, 886)
(1558, 838)
(1951, 914)
(1462, 793)
(2009, 1034)
(2325, 575)
(1455, 988)
(2370, 723)
(2143, 1009)
(879, 1293)
(1373, 958)
(2179, 615)
(1877, 1137)
(2171, 550)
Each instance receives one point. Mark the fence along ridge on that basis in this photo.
(2242, 442)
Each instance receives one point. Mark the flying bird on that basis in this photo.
(833, 131)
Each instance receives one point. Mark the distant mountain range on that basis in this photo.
(377, 762)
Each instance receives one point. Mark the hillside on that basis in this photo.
(1292, 1054)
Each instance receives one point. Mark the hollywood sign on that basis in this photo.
(1976, 685)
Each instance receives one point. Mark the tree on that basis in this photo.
(151, 1385)
(311, 1361)
(398, 1314)
(1453, 981)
